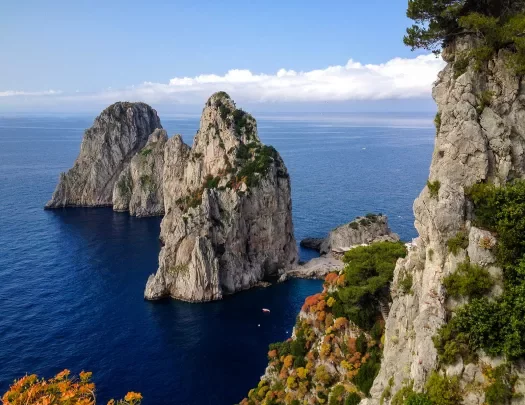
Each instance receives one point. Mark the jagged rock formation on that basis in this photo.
(481, 137)
(227, 203)
(362, 230)
(117, 134)
(139, 188)
(369, 229)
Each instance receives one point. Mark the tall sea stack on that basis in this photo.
(228, 209)
(117, 134)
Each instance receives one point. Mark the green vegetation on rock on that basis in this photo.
(353, 399)
(125, 186)
(469, 280)
(437, 122)
(501, 388)
(368, 273)
(496, 325)
(300, 369)
(406, 283)
(458, 242)
(254, 160)
(443, 390)
(433, 188)
(179, 269)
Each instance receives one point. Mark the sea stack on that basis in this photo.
(117, 134)
(228, 209)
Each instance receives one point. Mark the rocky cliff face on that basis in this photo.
(117, 134)
(139, 188)
(227, 204)
(480, 137)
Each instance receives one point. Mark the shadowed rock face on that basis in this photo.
(228, 209)
(139, 187)
(117, 134)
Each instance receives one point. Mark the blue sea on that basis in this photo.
(71, 281)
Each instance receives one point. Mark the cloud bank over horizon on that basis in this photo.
(396, 79)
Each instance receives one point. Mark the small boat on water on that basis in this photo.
(266, 310)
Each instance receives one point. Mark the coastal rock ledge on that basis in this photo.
(362, 230)
(228, 209)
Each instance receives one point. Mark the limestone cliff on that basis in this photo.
(117, 134)
(480, 141)
(227, 202)
(480, 138)
(139, 188)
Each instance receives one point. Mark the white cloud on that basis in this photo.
(15, 93)
(396, 79)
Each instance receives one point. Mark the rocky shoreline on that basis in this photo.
(316, 268)
(361, 231)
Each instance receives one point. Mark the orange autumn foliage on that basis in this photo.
(321, 305)
(328, 320)
(311, 301)
(352, 347)
(331, 278)
(341, 323)
(62, 389)
(272, 354)
(288, 361)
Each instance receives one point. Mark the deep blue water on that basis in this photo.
(71, 281)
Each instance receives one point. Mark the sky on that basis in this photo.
(271, 55)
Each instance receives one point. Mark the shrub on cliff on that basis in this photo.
(501, 388)
(368, 273)
(61, 389)
(502, 210)
(469, 280)
(496, 325)
(352, 399)
(368, 371)
(443, 390)
(458, 242)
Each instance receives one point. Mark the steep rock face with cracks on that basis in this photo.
(139, 188)
(228, 211)
(480, 139)
(117, 134)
